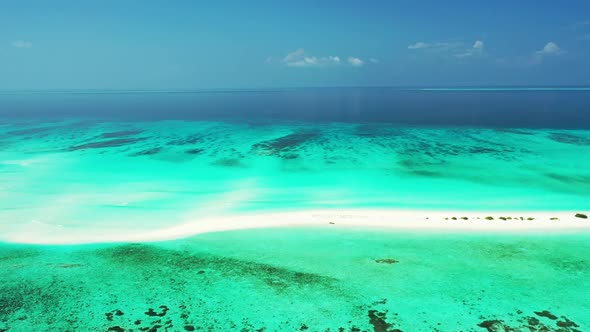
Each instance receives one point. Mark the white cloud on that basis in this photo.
(550, 48)
(294, 56)
(478, 45)
(418, 46)
(300, 58)
(22, 44)
(356, 62)
(457, 49)
(476, 49)
(439, 47)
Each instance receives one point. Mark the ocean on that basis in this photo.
(80, 162)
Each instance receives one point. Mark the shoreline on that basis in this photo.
(385, 219)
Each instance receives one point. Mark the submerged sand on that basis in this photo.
(302, 279)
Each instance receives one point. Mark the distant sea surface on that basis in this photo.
(555, 108)
(84, 161)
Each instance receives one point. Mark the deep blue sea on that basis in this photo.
(522, 108)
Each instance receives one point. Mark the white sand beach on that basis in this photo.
(386, 219)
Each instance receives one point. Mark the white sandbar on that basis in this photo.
(385, 219)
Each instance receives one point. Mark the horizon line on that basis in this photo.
(285, 89)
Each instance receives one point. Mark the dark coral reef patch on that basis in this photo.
(106, 144)
(548, 322)
(121, 133)
(569, 139)
(142, 256)
(148, 152)
(285, 146)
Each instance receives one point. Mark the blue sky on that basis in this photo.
(114, 44)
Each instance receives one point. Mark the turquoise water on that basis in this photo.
(118, 164)
(301, 279)
(86, 175)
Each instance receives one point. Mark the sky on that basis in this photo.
(141, 44)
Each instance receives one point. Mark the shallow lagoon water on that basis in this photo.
(85, 162)
(301, 279)
(86, 174)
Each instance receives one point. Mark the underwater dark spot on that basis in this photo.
(581, 215)
(569, 139)
(25, 296)
(192, 139)
(494, 326)
(147, 152)
(514, 131)
(408, 163)
(189, 328)
(17, 253)
(106, 144)
(303, 328)
(570, 265)
(149, 258)
(566, 323)
(387, 261)
(425, 173)
(546, 314)
(482, 150)
(377, 319)
(533, 321)
(290, 156)
(152, 313)
(69, 266)
(109, 315)
(137, 322)
(121, 133)
(569, 179)
(116, 329)
(423, 168)
(228, 162)
(194, 151)
(30, 131)
(154, 328)
(284, 144)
